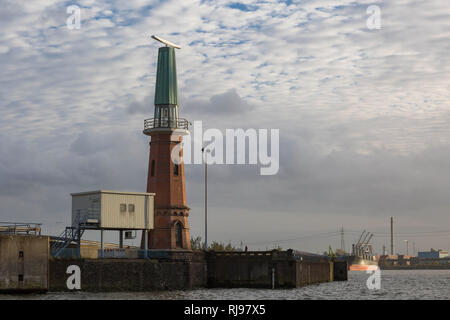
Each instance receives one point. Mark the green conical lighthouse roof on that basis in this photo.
(166, 90)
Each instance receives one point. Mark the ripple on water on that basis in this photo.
(395, 284)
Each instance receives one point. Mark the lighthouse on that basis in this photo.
(165, 177)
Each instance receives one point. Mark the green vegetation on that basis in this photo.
(198, 244)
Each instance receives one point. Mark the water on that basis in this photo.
(395, 284)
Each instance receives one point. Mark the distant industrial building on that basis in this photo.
(432, 254)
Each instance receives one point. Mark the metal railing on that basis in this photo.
(154, 123)
(20, 228)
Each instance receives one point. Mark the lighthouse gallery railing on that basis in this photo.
(153, 123)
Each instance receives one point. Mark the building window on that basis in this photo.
(20, 254)
(152, 169)
(173, 116)
(179, 235)
(131, 208)
(20, 277)
(123, 208)
(176, 169)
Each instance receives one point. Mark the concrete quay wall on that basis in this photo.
(267, 269)
(24, 263)
(99, 275)
(180, 271)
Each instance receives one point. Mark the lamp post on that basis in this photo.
(205, 152)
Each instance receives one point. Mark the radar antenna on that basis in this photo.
(167, 43)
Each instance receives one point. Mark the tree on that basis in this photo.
(278, 248)
(198, 244)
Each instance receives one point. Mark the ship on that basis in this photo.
(362, 258)
(356, 263)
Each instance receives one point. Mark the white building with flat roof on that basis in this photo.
(113, 210)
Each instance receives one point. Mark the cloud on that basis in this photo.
(363, 114)
(141, 107)
(228, 103)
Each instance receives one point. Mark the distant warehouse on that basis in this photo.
(433, 254)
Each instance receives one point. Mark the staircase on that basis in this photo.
(69, 235)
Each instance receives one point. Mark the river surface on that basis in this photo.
(395, 284)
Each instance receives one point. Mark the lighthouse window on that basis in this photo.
(173, 117)
(164, 117)
(156, 122)
(176, 169)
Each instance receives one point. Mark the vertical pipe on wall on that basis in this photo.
(146, 228)
(101, 243)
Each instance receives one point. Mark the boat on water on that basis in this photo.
(356, 263)
(362, 258)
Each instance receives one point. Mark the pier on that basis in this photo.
(27, 265)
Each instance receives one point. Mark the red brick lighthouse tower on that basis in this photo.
(165, 177)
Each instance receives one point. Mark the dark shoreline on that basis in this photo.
(415, 267)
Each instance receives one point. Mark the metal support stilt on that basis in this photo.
(145, 244)
(101, 244)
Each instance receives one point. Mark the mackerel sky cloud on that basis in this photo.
(363, 114)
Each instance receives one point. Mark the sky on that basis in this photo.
(363, 113)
